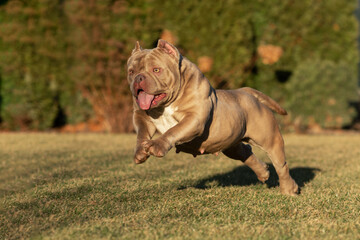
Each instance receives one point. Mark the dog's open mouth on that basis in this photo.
(147, 101)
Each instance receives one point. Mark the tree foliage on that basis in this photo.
(63, 61)
(321, 92)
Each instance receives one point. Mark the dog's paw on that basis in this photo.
(289, 188)
(157, 148)
(264, 174)
(140, 155)
(263, 177)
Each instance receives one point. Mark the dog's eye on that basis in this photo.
(131, 71)
(156, 70)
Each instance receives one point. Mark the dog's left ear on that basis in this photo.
(168, 48)
(137, 47)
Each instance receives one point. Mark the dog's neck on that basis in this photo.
(189, 72)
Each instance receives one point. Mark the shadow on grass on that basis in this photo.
(244, 176)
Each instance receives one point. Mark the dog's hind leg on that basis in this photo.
(244, 153)
(277, 155)
(273, 144)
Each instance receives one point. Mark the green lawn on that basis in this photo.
(86, 186)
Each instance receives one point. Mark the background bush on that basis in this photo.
(320, 92)
(63, 61)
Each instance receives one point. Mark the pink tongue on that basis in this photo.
(145, 100)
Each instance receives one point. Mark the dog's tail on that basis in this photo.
(266, 100)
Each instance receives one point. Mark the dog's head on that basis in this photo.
(154, 75)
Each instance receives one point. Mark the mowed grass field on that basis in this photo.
(86, 186)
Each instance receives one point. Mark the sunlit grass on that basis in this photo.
(86, 186)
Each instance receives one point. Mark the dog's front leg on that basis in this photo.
(187, 129)
(145, 131)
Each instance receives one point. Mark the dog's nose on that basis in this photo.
(139, 78)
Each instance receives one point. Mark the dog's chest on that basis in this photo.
(166, 120)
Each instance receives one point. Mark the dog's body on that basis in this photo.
(173, 97)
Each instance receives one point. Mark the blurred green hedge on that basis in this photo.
(320, 92)
(63, 61)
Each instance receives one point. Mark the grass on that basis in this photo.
(86, 186)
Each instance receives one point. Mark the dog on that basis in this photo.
(172, 96)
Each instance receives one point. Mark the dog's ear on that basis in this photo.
(137, 47)
(168, 48)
